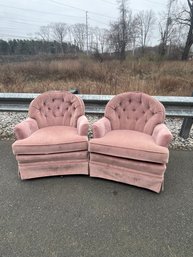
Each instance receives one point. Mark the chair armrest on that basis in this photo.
(25, 128)
(161, 135)
(101, 127)
(82, 125)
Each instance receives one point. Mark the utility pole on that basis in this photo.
(87, 32)
(123, 28)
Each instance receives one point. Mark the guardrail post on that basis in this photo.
(74, 91)
(186, 127)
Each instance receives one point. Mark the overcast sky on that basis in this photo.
(22, 18)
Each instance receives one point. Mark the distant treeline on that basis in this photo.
(35, 47)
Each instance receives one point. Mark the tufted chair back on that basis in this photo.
(135, 111)
(56, 108)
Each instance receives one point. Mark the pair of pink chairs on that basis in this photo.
(130, 143)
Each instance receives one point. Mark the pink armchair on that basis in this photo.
(53, 140)
(130, 143)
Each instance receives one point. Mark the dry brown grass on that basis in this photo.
(90, 77)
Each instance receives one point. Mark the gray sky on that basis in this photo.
(22, 18)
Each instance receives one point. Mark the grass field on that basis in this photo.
(92, 77)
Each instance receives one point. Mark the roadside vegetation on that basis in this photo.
(92, 77)
(106, 61)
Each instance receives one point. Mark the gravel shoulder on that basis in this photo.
(10, 119)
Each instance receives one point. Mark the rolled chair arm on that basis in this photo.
(101, 127)
(82, 125)
(25, 128)
(161, 135)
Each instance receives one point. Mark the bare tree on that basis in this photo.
(185, 17)
(133, 32)
(102, 39)
(97, 39)
(146, 21)
(166, 28)
(114, 37)
(121, 31)
(79, 34)
(45, 33)
(123, 35)
(92, 39)
(177, 42)
(60, 31)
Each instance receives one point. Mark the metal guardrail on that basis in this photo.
(186, 126)
(95, 104)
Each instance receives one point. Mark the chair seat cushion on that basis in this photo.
(130, 144)
(51, 139)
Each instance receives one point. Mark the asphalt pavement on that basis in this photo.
(78, 216)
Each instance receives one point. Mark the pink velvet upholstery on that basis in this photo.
(53, 140)
(130, 143)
